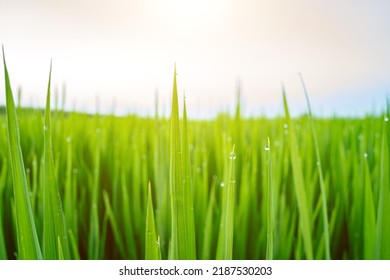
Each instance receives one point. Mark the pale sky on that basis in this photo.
(125, 50)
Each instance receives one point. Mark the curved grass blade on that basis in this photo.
(27, 238)
(225, 240)
(55, 242)
(300, 192)
(325, 218)
(152, 245)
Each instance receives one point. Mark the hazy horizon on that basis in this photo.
(126, 50)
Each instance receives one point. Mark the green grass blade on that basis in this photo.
(325, 218)
(152, 246)
(187, 185)
(181, 240)
(208, 227)
(54, 228)
(369, 215)
(27, 238)
(299, 186)
(3, 178)
(115, 229)
(382, 245)
(225, 240)
(271, 211)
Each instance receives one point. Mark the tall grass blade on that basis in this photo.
(369, 215)
(54, 228)
(382, 245)
(225, 240)
(325, 218)
(187, 185)
(270, 210)
(299, 186)
(27, 238)
(3, 178)
(181, 235)
(152, 244)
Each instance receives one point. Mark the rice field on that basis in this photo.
(79, 186)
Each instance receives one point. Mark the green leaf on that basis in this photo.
(54, 228)
(152, 244)
(299, 186)
(28, 245)
(325, 219)
(225, 240)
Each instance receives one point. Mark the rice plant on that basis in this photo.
(79, 186)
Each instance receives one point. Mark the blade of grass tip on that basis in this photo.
(27, 238)
(180, 231)
(300, 192)
(225, 240)
(271, 214)
(325, 218)
(152, 244)
(187, 185)
(54, 228)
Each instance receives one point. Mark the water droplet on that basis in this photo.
(277, 143)
(266, 147)
(45, 127)
(158, 241)
(365, 155)
(222, 184)
(360, 137)
(233, 155)
(68, 139)
(386, 118)
(285, 126)
(229, 139)
(75, 170)
(286, 131)
(28, 170)
(233, 181)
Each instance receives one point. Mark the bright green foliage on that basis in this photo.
(152, 246)
(265, 203)
(55, 241)
(382, 246)
(27, 238)
(320, 173)
(183, 240)
(225, 240)
(270, 210)
(299, 185)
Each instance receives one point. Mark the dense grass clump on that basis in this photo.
(78, 186)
